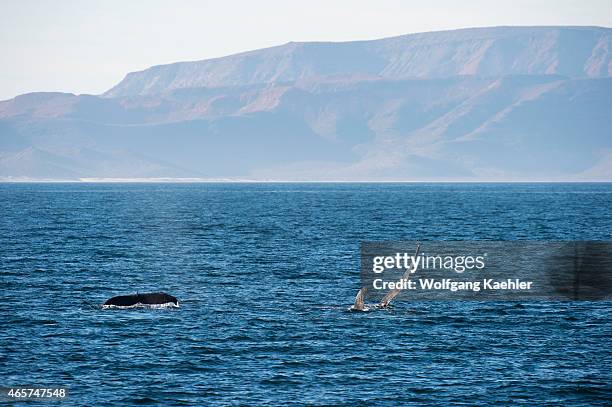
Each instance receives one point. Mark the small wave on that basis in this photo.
(140, 305)
(366, 308)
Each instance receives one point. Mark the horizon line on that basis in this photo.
(256, 181)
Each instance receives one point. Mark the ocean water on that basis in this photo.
(265, 273)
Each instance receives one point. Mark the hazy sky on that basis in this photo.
(87, 47)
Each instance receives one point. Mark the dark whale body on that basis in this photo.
(141, 299)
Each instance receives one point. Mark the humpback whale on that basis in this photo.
(147, 299)
(360, 305)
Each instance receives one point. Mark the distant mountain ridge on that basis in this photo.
(484, 104)
(568, 51)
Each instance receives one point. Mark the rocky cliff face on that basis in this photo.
(507, 103)
(500, 51)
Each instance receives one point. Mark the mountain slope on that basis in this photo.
(503, 103)
(498, 51)
(458, 128)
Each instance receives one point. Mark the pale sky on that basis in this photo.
(88, 46)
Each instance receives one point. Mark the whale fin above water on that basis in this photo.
(393, 293)
(359, 304)
(133, 300)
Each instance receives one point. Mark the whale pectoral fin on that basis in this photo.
(359, 304)
(384, 303)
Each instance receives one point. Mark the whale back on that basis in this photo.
(146, 299)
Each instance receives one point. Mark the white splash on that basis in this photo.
(141, 305)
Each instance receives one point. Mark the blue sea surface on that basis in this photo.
(265, 274)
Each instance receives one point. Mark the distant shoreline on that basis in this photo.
(260, 181)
